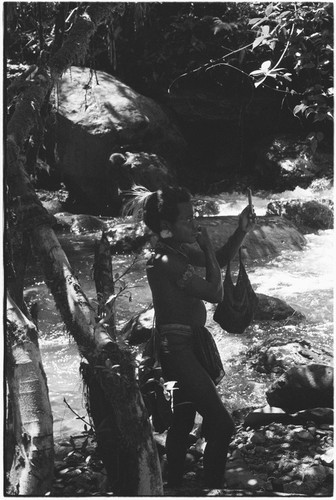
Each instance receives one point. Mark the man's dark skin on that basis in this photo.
(185, 306)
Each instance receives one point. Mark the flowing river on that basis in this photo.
(304, 279)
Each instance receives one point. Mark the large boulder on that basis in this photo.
(98, 115)
(303, 387)
(269, 237)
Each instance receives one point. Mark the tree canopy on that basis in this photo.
(158, 47)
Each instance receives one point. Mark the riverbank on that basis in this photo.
(272, 460)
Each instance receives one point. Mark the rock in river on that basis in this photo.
(303, 387)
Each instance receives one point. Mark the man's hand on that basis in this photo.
(203, 239)
(247, 219)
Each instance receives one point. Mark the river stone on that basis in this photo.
(264, 416)
(79, 223)
(272, 308)
(328, 457)
(308, 216)
(314, 474)
(276, 355)
(301, 388)
(98, 115)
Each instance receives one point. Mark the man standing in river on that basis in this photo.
(178, 294)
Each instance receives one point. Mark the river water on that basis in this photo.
(304, 279)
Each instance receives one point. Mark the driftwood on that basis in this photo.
(110, 369)
(31, 471)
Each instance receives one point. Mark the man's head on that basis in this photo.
(168, 209)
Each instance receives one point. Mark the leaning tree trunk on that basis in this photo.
(120, 418)
(32, 468)
(111, 367)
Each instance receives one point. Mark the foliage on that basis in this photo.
(287, 47)
(155, 47)
(304, 34)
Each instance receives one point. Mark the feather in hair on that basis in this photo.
(135, 205)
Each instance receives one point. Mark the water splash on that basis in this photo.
(233, 203)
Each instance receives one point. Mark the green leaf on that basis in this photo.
(300, 108)
(255, 20)
(283, 14)
(258, 41)
(266, 66)
(265, 30)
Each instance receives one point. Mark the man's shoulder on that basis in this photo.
(167, 263)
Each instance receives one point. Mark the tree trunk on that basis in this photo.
(103, 277)
(111, 368)
(32, 468)
(122, 427)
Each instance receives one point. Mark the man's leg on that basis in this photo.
(178, 437)
(219, 427)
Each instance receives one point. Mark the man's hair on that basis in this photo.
(162, 205)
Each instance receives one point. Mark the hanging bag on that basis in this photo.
(235, 313)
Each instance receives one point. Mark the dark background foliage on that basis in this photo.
(230, 50)
(150, 45)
